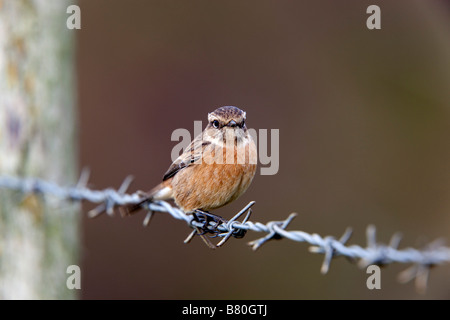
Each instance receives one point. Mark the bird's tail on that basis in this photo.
(162, 191)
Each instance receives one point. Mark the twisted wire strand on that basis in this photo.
(374, 253)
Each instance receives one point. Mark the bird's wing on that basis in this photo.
(191, 155)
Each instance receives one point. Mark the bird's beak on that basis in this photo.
(232, 123)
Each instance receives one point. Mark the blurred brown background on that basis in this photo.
(364, 120)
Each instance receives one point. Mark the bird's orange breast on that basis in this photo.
(208, 184)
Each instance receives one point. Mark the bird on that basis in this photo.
(215, 169)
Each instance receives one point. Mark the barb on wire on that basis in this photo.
(374, 253)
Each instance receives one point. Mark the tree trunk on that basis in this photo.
(38, 236)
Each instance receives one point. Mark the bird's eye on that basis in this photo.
(215, 124)
(242, 124)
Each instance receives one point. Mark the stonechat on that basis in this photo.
(215, 169)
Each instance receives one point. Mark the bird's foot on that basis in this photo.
(206, 218)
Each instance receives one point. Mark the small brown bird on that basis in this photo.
(215, 169)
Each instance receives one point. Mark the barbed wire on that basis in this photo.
(374, 253)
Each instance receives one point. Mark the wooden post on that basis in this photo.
(38, 236)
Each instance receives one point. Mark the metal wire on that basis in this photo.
(374, 252)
